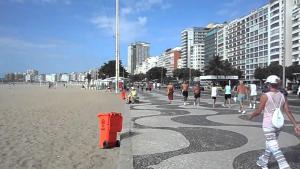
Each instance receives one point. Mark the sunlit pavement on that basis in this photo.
(174, 136)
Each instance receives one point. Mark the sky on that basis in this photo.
(61, 36)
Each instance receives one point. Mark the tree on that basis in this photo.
(261, 73)
(184, 73)
(138, 77)
(290, 70)
(155, 73)
(214, 67)
(109, 70)
(218, 67)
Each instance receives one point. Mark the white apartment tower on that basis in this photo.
(192, 47)
(257, 41)
(280, 31)
(296, 33)
(266, 35)
(236, 43)
(137, 53)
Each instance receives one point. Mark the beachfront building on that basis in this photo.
(221, 42)
(137, 53)
(149, 63)
(235, 43)
(81, 77)
(51, 78)
(65, 77)
(211, 42)
(296, 33)
(169, 60)
(40, 78)
(280, 31)
(192, 47)
(257, 41)
(262, 37)
(179, 63)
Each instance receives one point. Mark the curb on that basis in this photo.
(125, 156)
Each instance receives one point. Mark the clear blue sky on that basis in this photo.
(74, 35)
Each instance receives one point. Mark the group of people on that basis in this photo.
(273, 97)
(241, 90)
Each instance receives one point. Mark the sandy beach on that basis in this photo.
(54, 128)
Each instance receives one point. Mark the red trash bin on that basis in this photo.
(109, 125)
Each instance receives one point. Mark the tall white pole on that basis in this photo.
(284, 44)
(117, 45)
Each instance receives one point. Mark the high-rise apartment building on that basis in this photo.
(260, 38)
(137, 53)
(221, 42)
(169, 60)
(257, 41)
(236, 42)
(211, 42)
(192, 47)
(296, 33)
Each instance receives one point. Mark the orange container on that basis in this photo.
(109, 125)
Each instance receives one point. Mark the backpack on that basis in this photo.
(277, 118)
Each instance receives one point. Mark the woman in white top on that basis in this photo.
(214, 92)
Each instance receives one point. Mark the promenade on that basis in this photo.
(159, 135)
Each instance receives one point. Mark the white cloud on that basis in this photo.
(130, 30)
(14, 47)
(136, 6)
(8, 42)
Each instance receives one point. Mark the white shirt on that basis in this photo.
(253, 90)
(214, 91)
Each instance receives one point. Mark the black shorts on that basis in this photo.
(227, 96)
(214, 98)
(196, 95)
(185, 93)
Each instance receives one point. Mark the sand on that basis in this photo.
(54, 128)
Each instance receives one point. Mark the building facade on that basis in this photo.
(170, 60)
(235, 43)
(211, 42)
(257, 41)
(137, 53)
(296, 33)
(192, 47)
(149, 63)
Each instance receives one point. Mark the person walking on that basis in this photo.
(197, 93)
(170, 92)
(227, 96)
(185, 91)
(253, 94)
(269, 102)
(214, 92)
(241, 91)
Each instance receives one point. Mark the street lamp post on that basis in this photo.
(117, 46)
(284, 47)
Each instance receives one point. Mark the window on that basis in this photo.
(275, 56)
(274, 37)
(275, 25)
(274, 44)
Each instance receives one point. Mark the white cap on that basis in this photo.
(272, 79)
(132, 88)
